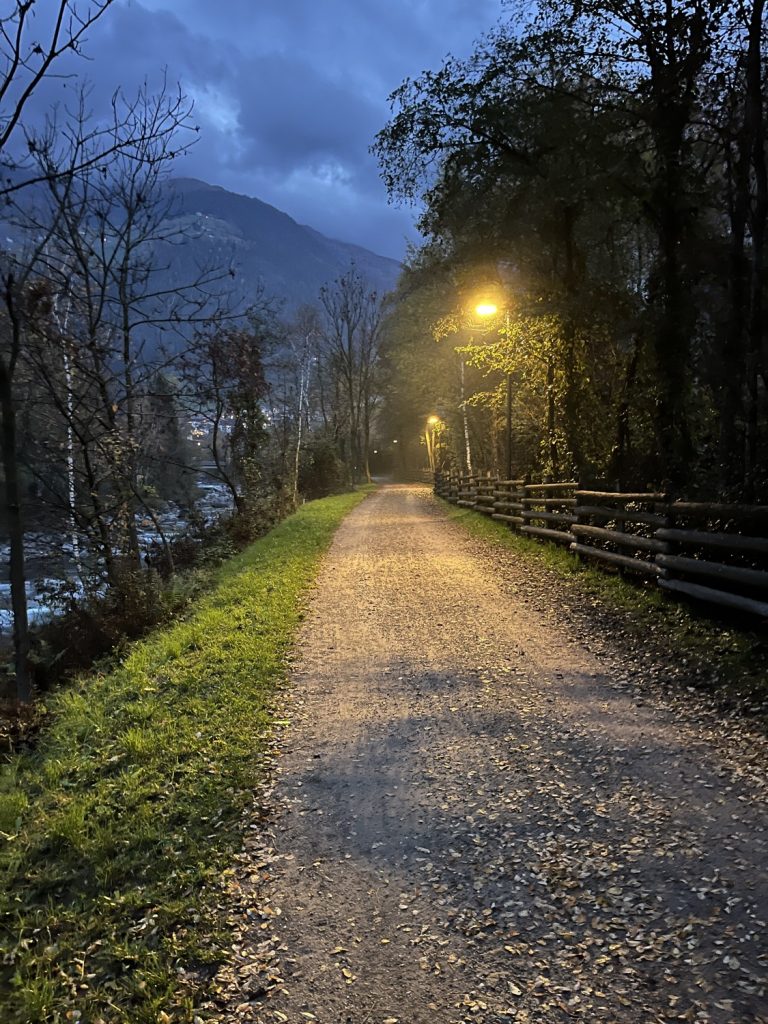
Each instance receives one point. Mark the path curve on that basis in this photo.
(478, 820)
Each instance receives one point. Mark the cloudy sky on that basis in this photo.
(290, 93)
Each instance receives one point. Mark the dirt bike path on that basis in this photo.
(476, 819)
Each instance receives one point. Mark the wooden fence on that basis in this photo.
(710, 552)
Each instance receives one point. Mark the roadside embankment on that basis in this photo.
(115, 826)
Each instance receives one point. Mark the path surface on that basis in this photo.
(479, 820)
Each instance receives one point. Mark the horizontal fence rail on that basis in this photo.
(710, 552)
(619, 530)
(548, 511)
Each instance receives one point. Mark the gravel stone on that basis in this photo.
(483, 810)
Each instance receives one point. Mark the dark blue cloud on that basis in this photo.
(288, 93)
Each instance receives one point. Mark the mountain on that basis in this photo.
(265, 246)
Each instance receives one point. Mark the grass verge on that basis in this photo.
(115, 828)
(706, 650)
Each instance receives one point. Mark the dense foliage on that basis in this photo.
(600, 167)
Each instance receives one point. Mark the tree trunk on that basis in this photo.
(303, 381)
(354, 457)
(672, 336)
(675, 64)
(551, 420)
(63, 326)
(102, 527)
(731, 446)
(465, 420)
(127, 469)
(623, 432)
(15, 526)
(572, 379)
(367, 439)
(224, 476)
(756, 127)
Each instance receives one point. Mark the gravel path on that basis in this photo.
(477, 818)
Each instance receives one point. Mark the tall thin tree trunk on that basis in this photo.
(128, 457)
(623, 431)
(70, 407)
(571, 397)
(303, 383)
(71, 489)
(672, 337)
(731, 447)
(98, 513)
(367, 438)
(353, 438)
(15, 525)
(552, 420)
(465, 419)
(756, 121)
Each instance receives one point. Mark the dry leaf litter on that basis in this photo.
(482, 810)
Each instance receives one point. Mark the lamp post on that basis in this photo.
(489, 309)
(430, 436)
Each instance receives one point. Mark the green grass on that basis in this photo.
(116, 827)
(738, 656)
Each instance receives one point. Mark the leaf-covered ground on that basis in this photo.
(116, 828)
(486, 810)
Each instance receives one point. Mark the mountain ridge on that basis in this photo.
(270, 249)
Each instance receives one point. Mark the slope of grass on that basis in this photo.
(731, 659)
(115, 828)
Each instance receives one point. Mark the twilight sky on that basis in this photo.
(289, 93)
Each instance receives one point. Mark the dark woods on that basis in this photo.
(602, 167)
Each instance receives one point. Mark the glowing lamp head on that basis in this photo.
(433, 421)
(486, 309)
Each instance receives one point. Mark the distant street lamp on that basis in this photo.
(489, 309)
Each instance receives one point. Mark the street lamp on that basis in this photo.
(486, 309)
(489, 309)
(430, 436)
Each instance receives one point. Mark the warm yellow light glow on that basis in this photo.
(433, 421)
(486, 309)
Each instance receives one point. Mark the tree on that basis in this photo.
(24, 305)
(118, 317)
(95, 222)
(740, 124)
(225, 385)
(302, 339)
(477, 138)
(27, 58)
(585, 147)
(351, 347)
(668, 45)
